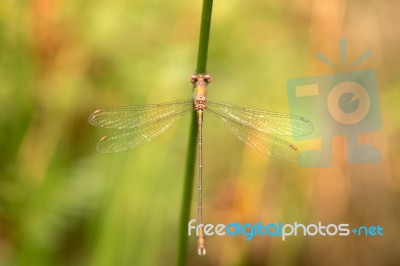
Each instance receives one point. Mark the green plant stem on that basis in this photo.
(192, 147)
(204, 36)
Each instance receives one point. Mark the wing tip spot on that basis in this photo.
(96, 112)
(293, 147)
(93, 116)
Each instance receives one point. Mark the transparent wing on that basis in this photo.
(265, 121)
(263, 142)
(128, 138)
(137, 115)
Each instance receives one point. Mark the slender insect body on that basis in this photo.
(199, 102)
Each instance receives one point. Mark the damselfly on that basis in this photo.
(259, 129)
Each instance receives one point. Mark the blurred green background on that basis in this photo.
(62, 203)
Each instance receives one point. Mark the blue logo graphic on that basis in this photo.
(338, 104)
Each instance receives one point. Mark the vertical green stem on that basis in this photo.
(191, 153)
(204, 36)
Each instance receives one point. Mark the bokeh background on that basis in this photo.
(62, 203)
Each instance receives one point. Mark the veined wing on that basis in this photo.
(128, 138)
(263, 142)
(137, 115)
(265, 121)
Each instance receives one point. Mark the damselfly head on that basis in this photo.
(200, 77)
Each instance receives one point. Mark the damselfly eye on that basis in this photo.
(207, 78)
(194, 78)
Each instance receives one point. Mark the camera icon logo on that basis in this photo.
(338, 104)
(360, 98)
